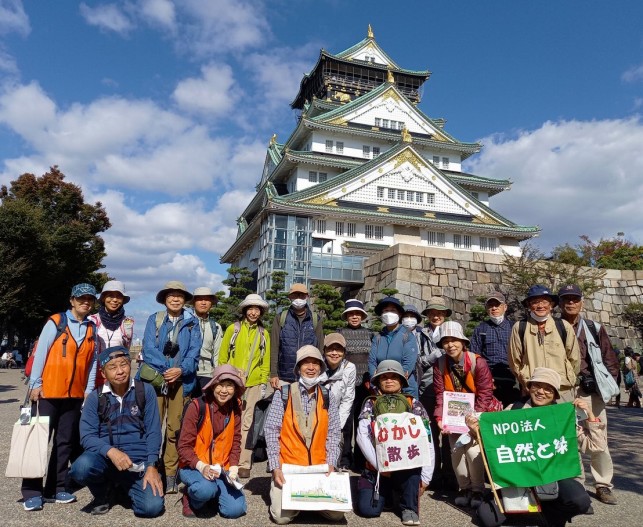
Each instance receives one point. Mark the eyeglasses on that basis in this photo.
(570, 299)
(535, 386)
(539, 301)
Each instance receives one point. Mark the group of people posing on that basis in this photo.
(187, 420)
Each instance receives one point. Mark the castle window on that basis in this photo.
(323, 176)
(339, 147)
(339, 228)
(329, 146)
(378, 122)
(430, 199)
(376, 151)
(351, 228)
(391, 193)
(436, 161)
(419, 197)
(385, 123)
(380, 192)
(321, 226)
(445, 162)
(436, 238)
(457, 241)
(312, 177)
(400, 195)
(366, 151)
(467, 241)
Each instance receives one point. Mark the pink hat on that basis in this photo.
(226, 372)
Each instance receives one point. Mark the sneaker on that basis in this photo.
(99, 506)
(476, 500)
(463, 499)
(62, 497)
(244, 473)
(589, 511)
(410, 517)
(170, 485)
(33, 504)
(605, 495)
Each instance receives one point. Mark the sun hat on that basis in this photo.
(414, 311)
(226, 372)
(496, 295)
(389, 300)
(548, 376)
(173, 285)
(354, 305)
(390, 366)
(570, 290)
(437, 303)
(335, 338)
(112, 353)
(83, 289)
(298, 288)
(539, 290)
(451, 328)
(114, 286)
(205, 291)
(253, 300)
(309, 351)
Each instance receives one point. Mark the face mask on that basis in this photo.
(390, 318)
(299, 303)
(409, 322)
(537, 318)
(308, 383)
(497, 320)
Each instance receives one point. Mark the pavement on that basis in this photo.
(625, 441)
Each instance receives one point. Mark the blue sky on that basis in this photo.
(162, 109)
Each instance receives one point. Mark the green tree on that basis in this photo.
(49, 241)
(633, 313)
(477, 314)
(328, 302)
(276, 296)
(226, 311)
(610, 253)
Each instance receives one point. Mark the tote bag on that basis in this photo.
(28, 453)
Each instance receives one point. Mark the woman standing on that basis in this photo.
(462, 371)
(631, 365)
(395, 342)
(246, 346)
(113, 328)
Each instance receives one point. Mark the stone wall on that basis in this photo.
(460, 276)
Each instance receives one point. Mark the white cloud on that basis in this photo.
(13, 18)
(107, 17)
(633, 74)
(159, 12)
(570, 178)
(8, 65)
(214, 93)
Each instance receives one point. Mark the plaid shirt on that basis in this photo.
(275, 419)
(496, 340)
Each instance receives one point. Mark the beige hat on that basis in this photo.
(114, 286)
(298, 288)
(547, 376)
(205, 291)
(173, 285)
(496, 295)
(390, 366)
(309, 351)
(226, 372)
(335, 338)
(451, 328)
(253, 300)
(437, 303)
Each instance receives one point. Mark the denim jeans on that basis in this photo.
(95, 471)
(406, 482)
(230, 501)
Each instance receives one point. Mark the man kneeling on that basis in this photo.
(120, 431)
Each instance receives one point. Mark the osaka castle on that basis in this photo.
(364, 169)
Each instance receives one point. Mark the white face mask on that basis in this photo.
(497, 320)
(537, 318)
(409, 322)
(389, 318)
(308, 382)
(299, 303)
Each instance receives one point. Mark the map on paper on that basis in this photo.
(310, 489)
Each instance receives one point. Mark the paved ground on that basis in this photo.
(626, 444)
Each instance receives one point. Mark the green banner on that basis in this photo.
(531, 446)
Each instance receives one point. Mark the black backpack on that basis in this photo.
(560, 326)
(103, 408)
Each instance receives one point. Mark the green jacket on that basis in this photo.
(240, 355)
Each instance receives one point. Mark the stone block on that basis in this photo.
(427, 292)
(404, 260)
(453, 280)
(471, 275)
(459, 309)
(416, 262)
(444, 280)
(466, 256)
(446, 264)
(402, 273)
(467, 285)
(638, 275)
(483, 278)
(476, 266)
(449, 294)
(416, 292)
(419, 277)
(628, 275)
(428, 264)
(436, 291)
(492, 268)
(629, 291)
(461, 294)
(617, 309)
(434, 279)
(462, 274)
(403, 287)
(612, 274)
(605, 317)
(464, 264)
(597, 305)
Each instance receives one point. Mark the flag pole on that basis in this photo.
(496, 496)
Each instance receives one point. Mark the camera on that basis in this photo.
(588, 384)
(170, 349)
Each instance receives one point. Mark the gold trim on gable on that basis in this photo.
(392, 94)
(429, 215)
(485, 220)
(382, 209)
(407, 156)
(339, 121)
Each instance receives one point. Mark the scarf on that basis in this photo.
(111, 321)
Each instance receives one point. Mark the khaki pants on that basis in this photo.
(171, 407)
(282, 516)
(601, 462)
(467, 465)
(252, 396)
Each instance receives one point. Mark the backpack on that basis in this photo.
(61, 327)
(262, 341)
(390, 403)
(127, 339)
(284, 314)
(200, 402)
(103, 408)
(160, 317)
(560, 326)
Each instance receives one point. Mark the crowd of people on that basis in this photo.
(186, 421)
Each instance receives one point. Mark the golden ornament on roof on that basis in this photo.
(369, 32)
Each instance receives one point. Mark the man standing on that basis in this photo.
(490, 339)
(292, 329)
(211, 336)
(121, 435)
(171, 345)
(542, 341)
(62, 375)
(592, 334)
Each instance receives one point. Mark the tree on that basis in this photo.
(277, 296)
(633, 313)
(611, 253)
(49, 241)
(226, 311)
(477, 314)
(328, 301)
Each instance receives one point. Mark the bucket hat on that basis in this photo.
(83, 289)
(309, 351)
(451, 328)
(253, 300)
(390, 366)
(547, 376)
(389, 300)
(205, 291)
(414, 311)
(354, 305)
(438, 303)
(173, 285)
(114, 286)
(539, 290)
(226, 372)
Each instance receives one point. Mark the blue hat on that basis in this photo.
(539, 290)
(389, 300)
(354, 305)
(570, 290)
(83, 289)
(112, 353)
(414, 311)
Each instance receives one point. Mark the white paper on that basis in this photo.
(304, 469)
(316, 491)
(401, 441)
(455, 407)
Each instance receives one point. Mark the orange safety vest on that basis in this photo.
(213, 450)
(293, 448)
(67, 365)
(468, 377)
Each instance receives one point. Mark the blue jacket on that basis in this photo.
(189, 341)
(125, 423)
(399, 345)
(293, 336)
